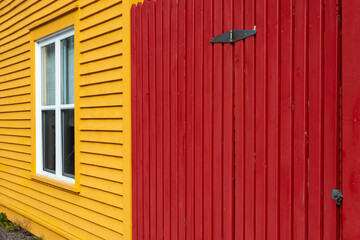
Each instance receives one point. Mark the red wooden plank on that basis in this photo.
(286, 106)
(198, 119)
(208, 118)
(173, 118)
(228, 127)
(331, 118)
(166, 122)
(139, 125)
(145, 120)
(152, 118)
(260, 120)
(315, 210)
(350, 120)
(134, 116)
(239, 171)
(190, 69)
(300, 121)
(181, 118)
(217, 125)
(249, 124)
(159, 122)
(273, 71)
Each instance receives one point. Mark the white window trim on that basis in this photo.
(56, 37)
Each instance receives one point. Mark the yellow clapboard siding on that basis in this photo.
(66, 197)
(12, 41)
(23, 124)
(100, 210)
(14, 84)
(101, 29)
(11, 61)
(99, 77)
(95, 219)
(42, 9)
(18, 10)
(101, 41)
(108, 198)
(104, 15)
(69, 207)
(85, 3)
(96, 8)
(15, 75)
(101, 112)
(102, 52)
(15, 91)
(15, 147)
(102, 148)
(101, 101)
(15, 131)
(15, 51)
(101, 184)
(104, 173)
(24, 98)
(65, 216)
(13, 44)
(101, 124)
(82, 234)
(6, 6)
(15, 115)
(102, 89)
(15, 107)
(13, 170)
(16, 140)
(102, 65)
(17, 163)
(15, 67)
(102, 160)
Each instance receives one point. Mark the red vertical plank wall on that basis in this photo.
(235, 141)
(350, 112)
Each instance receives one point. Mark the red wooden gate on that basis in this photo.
(235, 141)
(350, 120)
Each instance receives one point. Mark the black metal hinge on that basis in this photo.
(232, 36)
(337, 195)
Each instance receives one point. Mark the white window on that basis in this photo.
(54, 64)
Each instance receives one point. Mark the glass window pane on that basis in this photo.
(48, 74)
(48, 140)
(67, 126)
(67, 70)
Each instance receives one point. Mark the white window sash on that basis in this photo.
(58, 107)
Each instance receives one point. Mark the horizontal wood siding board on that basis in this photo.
(62, 210)
(22, 48)
(99, 206)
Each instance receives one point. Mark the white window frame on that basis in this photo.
(53, 38)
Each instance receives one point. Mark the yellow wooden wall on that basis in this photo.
(102, 208)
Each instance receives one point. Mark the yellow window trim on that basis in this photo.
(65, 11)
(63, 19)
(56, 183)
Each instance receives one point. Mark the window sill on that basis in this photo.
(55, 183)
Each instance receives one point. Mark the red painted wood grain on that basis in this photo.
(236, 141)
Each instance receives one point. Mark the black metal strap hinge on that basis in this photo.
(233, 36)
(337, 195)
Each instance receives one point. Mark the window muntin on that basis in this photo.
(54, 62)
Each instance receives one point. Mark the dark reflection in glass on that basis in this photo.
(67, 126)
(48, 74)
(67, 70)
(48, 130)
